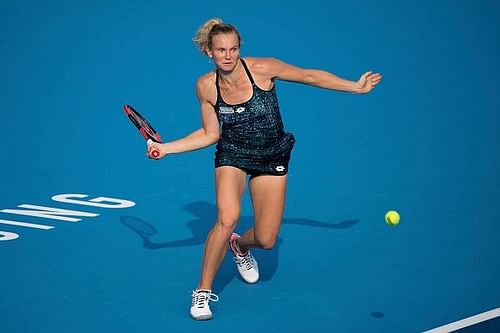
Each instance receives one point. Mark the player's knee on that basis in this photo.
(265, 242)
(227, 221)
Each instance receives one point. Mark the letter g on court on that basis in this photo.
(103, 202)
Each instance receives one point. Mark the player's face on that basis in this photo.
(225, 51)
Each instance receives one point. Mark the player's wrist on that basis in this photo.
(166, 148)
(356, 88)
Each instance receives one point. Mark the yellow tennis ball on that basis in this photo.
(392, 217)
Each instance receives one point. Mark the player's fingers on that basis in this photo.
(376, 78)
(367, 74)
(362, 80)
(375, 82)
(151, 146)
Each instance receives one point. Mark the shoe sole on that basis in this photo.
(206, 317)
(249, 281)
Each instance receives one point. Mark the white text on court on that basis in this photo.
(58, 213)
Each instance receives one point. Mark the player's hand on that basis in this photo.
(368, 81)
(155, 147)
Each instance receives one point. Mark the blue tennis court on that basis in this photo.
(95, 237)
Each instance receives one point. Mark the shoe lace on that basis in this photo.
(202, 297)
(246, 261)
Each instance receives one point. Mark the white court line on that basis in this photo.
(27, 225)
(466, 322)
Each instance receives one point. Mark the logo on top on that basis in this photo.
(230, 109)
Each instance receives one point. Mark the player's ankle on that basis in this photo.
(242, 250)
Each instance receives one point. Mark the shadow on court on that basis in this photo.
(205, 214)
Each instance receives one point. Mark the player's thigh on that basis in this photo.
(268, 200)
(229, 186)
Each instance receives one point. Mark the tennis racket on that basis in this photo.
(146, 130)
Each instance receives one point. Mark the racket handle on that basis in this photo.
(155, 153)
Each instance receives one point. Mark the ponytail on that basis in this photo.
(205, 33)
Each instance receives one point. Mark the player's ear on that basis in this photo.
(208, 52)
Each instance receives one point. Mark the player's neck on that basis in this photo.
(232, 78)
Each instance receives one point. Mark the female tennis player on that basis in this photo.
(240, 113)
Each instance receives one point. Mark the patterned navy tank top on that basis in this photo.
(252, 133)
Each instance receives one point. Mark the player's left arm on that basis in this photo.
(318, 78)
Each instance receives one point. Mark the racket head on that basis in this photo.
(144, 127)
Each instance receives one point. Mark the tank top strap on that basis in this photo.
(247, 71)
(217, 83)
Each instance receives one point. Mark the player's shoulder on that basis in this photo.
(260, 62)
(206, 81)
(205, 85)
(263, 65)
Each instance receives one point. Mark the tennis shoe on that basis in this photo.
(200, 309)
(245, 262)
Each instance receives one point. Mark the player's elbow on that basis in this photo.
(310, 78)
(212, 137)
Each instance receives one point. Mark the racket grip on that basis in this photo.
(155, 153)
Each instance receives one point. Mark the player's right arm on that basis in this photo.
(209, 132)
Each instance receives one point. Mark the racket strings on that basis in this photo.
(144, 127)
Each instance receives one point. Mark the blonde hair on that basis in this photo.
(204, 35)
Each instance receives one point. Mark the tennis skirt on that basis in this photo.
(268, 160)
